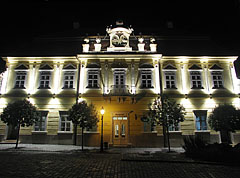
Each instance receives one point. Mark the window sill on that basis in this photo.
(200, 88)
(201, 131)
(68, 88)
(175, 131)
(218, 88)
(170, 88)
(39, 132)
(21, 88)
(65, 132)
(143, 88)
(94, 132)
(93, 88)
(44, 88)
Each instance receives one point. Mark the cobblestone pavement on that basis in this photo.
(109, 165)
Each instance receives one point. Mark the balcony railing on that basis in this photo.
(119, 90)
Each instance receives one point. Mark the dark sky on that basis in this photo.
(23, 20)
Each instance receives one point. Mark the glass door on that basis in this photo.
(120, 130)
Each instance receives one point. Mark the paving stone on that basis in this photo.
(68, 165)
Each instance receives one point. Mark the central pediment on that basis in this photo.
(119, 38)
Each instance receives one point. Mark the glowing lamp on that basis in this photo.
(102, 111)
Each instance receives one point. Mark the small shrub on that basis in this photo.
(193, 146)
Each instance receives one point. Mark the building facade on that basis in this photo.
(122, 73)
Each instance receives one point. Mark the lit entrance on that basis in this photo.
(120, 131)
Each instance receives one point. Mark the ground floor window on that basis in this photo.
(65, 124)
(201, 119)
(174, 127)
(41, 124)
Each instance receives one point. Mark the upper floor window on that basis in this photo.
(20, 79)
(146, 79)
(93, 79)
(196, 76)
(69, 78)
(196, 79)
(45, 78)
(217, 79)
(41, 124)
(170, 79)
(119, 78)
(21, 76)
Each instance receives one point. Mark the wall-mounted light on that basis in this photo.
(186, 96)
(29, 95)
(54, 95)
(210, 96)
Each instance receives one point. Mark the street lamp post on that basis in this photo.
(101, 146)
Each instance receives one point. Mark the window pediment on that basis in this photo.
(21, 67)
(45, 67)
(195, 67)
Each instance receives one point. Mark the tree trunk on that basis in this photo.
(18, 131)
(225, 137)
(168, 140)
(82, 137)
(75, 134)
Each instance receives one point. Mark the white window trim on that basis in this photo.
(97, 70)
(74, 78)
(59, 125)
(195, 124)
(25, 80)
(150, 70)
(175, 79)
(119, 71)
(179, 127)
(211, 71)
(46, 121)
(50, 79)
(200, 71)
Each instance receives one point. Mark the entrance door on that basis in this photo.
(120, 131)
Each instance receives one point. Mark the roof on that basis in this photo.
(166, 45)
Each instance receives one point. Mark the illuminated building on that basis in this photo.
(120, 72)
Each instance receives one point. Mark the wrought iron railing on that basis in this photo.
(119, 90)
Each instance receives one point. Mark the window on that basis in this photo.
(69, 80)
(217, 79)
(119, 78)
(196, 79)
(45, 77)
(201, 119)
(93, 76)
(20, 79)
(65, 123)
(170, 79)
(174, 127)
(41, 124)
(146, 78)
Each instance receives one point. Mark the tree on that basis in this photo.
(166, 112)
(83, 115)
(20, 114)
(2, 66)
(225, 118)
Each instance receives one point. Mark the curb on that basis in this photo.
(185, 162)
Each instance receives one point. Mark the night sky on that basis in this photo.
(27, 20)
